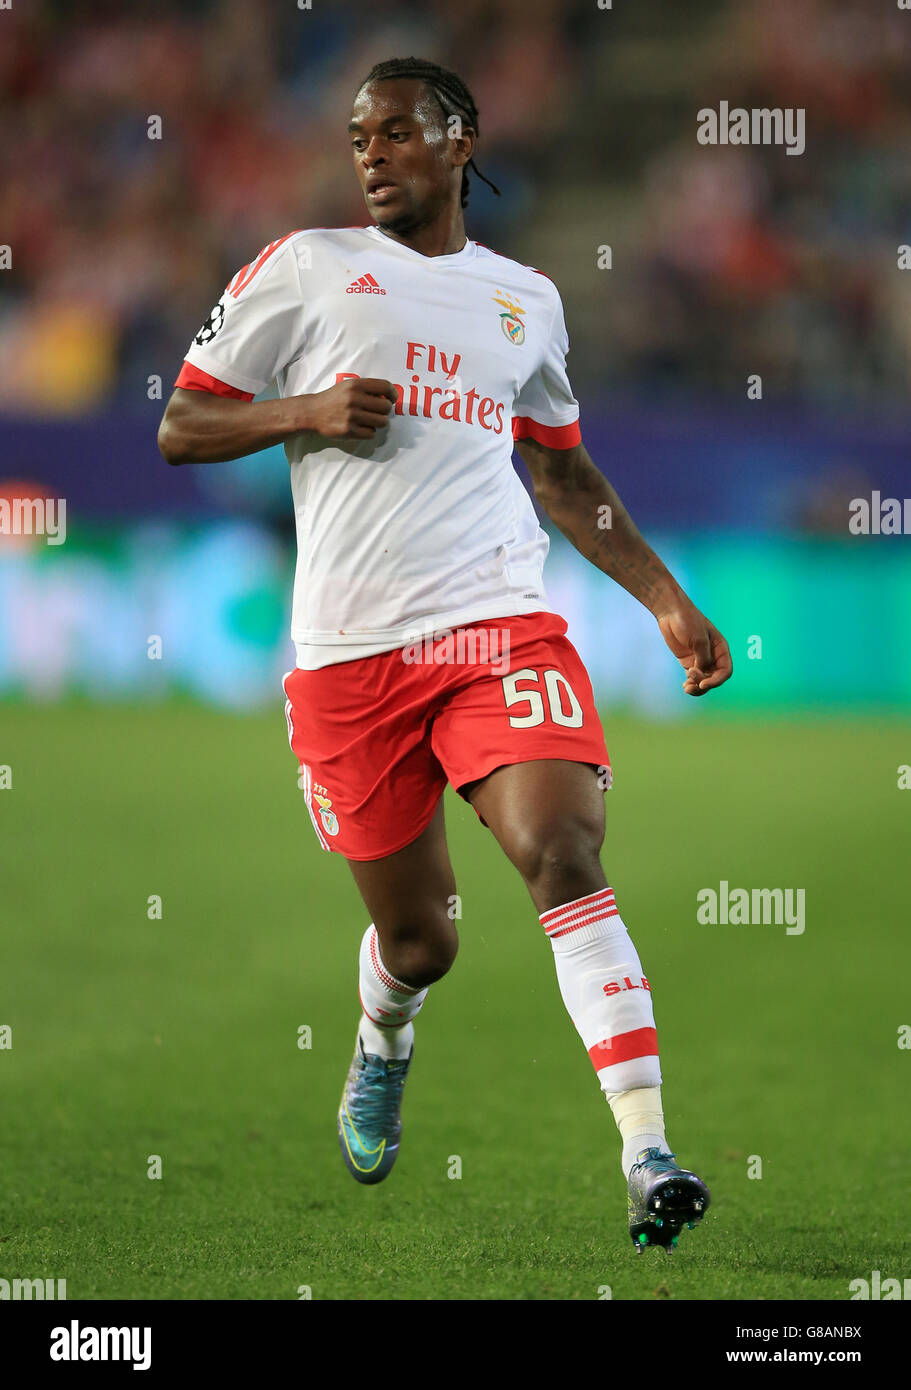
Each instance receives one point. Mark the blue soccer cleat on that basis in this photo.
(370, 1114)
(663, 1198)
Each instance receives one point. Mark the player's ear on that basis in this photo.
(463, 140)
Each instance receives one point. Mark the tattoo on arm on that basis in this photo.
(580, 501)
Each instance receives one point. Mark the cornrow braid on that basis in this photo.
(449, 90)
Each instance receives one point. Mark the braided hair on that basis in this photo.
(449, 90)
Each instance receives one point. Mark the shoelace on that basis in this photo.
(653, 1155)
(378, 1094)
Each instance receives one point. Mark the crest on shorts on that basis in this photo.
(326, 813)
(511, 321)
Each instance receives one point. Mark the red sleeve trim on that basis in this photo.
(192, 379)
(554, 436)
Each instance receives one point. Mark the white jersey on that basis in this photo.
(426, 526)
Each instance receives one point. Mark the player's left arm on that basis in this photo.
(575, 495)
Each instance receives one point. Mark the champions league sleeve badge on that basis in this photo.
(211, 326)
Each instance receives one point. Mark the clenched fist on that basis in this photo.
(352, 409)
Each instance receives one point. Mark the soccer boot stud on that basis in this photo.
(663, 1198)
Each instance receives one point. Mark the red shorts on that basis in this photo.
(377, 739)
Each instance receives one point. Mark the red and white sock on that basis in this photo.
(609, 1000)
(388, 1004)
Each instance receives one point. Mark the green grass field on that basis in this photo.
(134, 1037)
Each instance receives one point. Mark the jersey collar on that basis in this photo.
(467, 253)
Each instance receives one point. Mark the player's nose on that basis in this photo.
(373, 156)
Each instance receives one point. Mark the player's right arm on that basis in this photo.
(254, 331)
(203, 427)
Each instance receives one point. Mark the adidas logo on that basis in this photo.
(365, 285)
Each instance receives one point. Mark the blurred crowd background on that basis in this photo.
(727, 261)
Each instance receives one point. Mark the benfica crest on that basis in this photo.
(511, 321)
(326, 813)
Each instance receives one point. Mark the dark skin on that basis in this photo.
(548, 815)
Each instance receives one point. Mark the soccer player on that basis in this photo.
(409, 360)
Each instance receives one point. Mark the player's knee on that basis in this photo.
(561, 856)
(420, 956)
